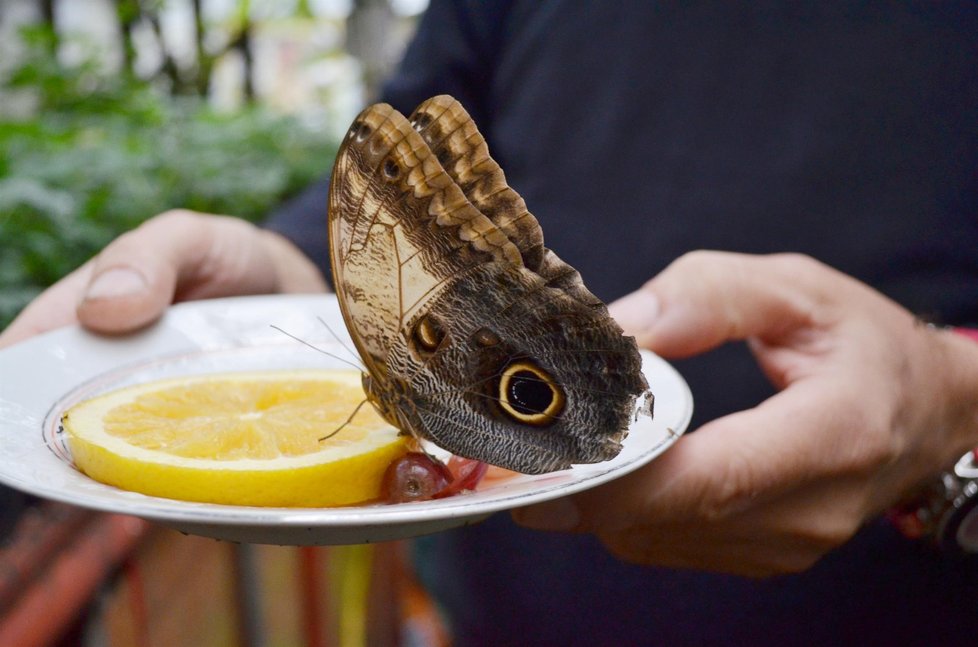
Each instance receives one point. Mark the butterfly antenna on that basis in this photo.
(348, 421)
(317, 348)
(339, 341)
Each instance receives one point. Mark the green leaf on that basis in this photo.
(102, 154)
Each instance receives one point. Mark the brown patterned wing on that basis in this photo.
(453, 137)
(475, 336)
(400, 229)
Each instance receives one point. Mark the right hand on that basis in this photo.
(176, 256)
(871, 405)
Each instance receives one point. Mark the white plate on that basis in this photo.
(43, 376)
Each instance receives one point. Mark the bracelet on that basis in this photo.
(945, 512)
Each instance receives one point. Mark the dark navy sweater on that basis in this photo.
(639, 130)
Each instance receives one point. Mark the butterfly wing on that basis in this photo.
(475, 335)
(399, 229)
(453, 137)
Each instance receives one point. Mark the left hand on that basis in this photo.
(872, 403)
(179, 255)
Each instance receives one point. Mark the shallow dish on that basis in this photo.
(45, 375)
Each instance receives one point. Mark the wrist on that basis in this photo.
(961, 388)
(945, 510)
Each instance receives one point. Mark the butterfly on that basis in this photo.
(474, 335)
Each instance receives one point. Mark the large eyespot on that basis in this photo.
(529, 395)
(428, 334)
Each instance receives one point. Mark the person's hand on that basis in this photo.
(176, 256)
(871, 404)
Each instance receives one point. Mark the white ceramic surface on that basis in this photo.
(43, 376)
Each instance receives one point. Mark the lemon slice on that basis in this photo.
(238, 438)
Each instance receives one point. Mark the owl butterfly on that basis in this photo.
(475, 336)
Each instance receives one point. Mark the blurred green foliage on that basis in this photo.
(102, 153)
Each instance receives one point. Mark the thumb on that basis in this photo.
(127, 290)
(706, 298)
(179, 255)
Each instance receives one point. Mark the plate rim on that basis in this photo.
(171, 511)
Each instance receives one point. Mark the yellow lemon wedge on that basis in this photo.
(254, 438)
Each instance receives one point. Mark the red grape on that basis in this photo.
(416, 476)
(466, 474)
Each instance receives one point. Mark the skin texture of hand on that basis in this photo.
(176, 256)
(871, 404)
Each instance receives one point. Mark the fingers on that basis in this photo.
(706, 298)
(863, 418)
(782, 471)
(131, 281)
(176, 256)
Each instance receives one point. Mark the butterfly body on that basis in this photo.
(474, 335)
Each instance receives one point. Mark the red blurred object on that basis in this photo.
(53, 563)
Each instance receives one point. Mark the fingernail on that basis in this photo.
(636, 312)
(559, 514)
(115, 283)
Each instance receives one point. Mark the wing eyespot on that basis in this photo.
(485, 338)
(529, 395)
(444, 158)
(428, 334)
(421, 121)
(360, 131)
(391, 169)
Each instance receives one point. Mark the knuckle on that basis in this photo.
(176, 215)
(127, 244)
(702, 263)
(718, 263)
(799, 267)
(700, 256)
(796, 261)
(731, 492)
(812, 281)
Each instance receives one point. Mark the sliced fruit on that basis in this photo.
(256, 438)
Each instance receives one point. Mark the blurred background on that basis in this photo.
(112, 111)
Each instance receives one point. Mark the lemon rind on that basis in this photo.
(335, 476)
